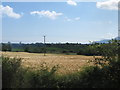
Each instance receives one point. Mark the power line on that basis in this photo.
(44, 45)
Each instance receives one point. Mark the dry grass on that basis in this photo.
(67, 63)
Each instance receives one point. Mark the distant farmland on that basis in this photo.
(67, 63)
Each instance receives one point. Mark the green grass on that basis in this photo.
(17, 50)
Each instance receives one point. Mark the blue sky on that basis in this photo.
(80, 23)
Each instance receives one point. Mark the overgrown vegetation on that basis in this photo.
(15, 76)
(6, 46)
(105, 73)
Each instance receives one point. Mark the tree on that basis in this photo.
(6, 46)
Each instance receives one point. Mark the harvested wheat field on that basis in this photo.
(66, 63)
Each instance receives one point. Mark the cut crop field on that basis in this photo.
(66, 63)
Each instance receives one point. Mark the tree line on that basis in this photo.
(60, 48)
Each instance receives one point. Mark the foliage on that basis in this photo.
(6, 47)
(42, 78)
(105, 73)
(10, 67)
(14, 76)
(108, 67)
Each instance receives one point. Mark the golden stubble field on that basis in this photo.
(67, 63)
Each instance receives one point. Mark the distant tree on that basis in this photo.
(67, 43)
(0, 46)
(26, 49)
(6, 46)
(9, 48)
(20, 43)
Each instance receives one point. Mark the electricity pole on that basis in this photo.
(44, 46)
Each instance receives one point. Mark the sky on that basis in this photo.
(60, 22)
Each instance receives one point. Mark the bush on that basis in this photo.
(42, 78)
(14, 76)
(10, 67)
(108, 67)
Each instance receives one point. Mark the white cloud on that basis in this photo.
(109, 4)
(9, 12)
(70, 2)
(77, 18)
(108, 36)
(51, 15)
(68, 19)
(72, 19)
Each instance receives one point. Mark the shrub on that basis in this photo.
(42, 78)
(10, 67)
(14, 76)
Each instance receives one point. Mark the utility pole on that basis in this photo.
(44, 45)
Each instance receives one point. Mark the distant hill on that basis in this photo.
(106, 40)
(103, 41)
(118, 38)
